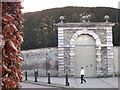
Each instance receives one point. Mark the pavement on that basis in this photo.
(111, 82)
(30, 85)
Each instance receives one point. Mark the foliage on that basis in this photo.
(39, 31)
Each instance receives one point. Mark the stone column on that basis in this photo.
(109, 50)
(67, 60)
(104, 61)
(60, 51)
(99, 60)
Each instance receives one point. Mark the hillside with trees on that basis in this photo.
(40, 33)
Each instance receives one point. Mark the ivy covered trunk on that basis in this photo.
(12, 37)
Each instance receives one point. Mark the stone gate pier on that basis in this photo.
(85, 44)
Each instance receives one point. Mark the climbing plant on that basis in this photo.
(13, 37)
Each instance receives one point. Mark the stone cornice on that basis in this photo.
(85, 24)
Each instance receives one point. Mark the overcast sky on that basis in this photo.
(38, 5)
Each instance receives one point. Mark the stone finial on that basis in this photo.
(62, 18)
(85, 18)
(106, 18)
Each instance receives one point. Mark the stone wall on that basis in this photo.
(42, 59)
(116, 51)
(37, 58)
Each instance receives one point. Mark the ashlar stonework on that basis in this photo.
(101, 32)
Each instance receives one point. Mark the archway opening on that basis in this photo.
(85, 55)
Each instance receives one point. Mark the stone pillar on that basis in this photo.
(109, 50)
(67, 60)
(60, 52)
(104, 61)
(99, 60)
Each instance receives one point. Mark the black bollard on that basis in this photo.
(49, 78)
(25, 75)
(36, 75)
(67, 83)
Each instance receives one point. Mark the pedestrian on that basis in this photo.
(82, 73)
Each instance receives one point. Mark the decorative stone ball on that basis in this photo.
(62, 18)
(106, 17)
(85, 18)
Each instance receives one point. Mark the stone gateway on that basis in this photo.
(86, 44)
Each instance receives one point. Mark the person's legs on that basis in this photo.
(81, 79)
(84, 79)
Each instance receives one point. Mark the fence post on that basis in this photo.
(36, 75)
(49, 82)
(26, 76)
(66, 77)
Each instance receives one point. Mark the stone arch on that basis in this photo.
(85, 31)
(72, 44)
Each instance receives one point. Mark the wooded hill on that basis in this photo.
(39, 31)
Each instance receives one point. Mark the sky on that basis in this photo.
(39, 5)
